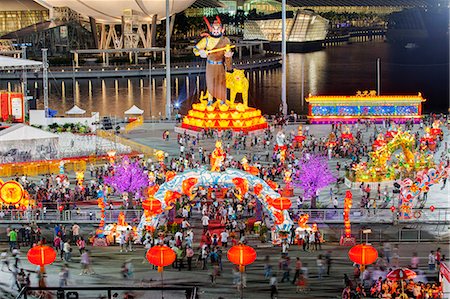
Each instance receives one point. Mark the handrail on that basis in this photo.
(190, 292)
(328, 215)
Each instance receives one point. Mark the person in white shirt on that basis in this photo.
(224, 238)
(205, 223)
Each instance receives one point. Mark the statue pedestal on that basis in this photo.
(351, 241)
(100, 242)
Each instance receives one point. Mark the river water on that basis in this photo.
(340, 70)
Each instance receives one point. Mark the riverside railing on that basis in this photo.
(327, 216)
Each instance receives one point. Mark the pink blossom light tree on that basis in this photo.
(312, 175)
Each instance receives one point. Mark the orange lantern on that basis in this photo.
(347, 206)
(241, 184)
(152, 206)
(241, 255)
(170, 175)
(151, 190)
(160, 256)
(187, 185)
(363, 254)
(257, 189)
(171, 196)
(281, 203)
(41, 255)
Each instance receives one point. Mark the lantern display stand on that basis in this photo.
(241, 255)
(347, 239)
(161, 256)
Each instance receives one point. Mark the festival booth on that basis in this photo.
(75, 110)
(12, 107)
(133, 113)
(37, 118)
(21, 143)
(364, 105)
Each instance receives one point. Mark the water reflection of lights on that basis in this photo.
(103, 90)
(63, 90)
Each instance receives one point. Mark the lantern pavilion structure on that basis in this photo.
(364, 105)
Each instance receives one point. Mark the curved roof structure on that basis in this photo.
(110, 11)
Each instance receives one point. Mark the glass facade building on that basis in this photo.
(302, 26)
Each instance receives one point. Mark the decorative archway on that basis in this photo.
(227, 178)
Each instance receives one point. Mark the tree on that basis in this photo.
(128, 177)
(312, 175)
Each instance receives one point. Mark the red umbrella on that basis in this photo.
(401, 274)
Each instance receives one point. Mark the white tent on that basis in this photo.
(134, 110)
(10, 63)
(21, 132)
(20, 143)
(76, 110)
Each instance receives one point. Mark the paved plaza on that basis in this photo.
(421, 236)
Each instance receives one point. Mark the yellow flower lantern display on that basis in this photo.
(11, 193)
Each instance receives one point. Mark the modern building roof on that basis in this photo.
(20, 5)
(207, 3)
(112, 10)
(9, 63)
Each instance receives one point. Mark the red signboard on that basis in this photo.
(12, 104)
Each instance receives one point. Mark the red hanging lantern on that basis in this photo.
(363, 254)
(41, 255)
(432, 208)
(281, 203)
(241, 255)
(160, 256)
(152, 206)
(392, 209)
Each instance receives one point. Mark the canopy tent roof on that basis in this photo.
(134, 110)
(21, 132)
(9, 63)
(76, 110)
(111, 11)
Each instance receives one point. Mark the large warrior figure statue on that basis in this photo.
(216, 49)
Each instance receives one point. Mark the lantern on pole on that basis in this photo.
(363, 254)
(161, 256)
(347, 239)
(41, 255)
(241, 255)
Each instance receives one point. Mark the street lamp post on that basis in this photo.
(168, 87)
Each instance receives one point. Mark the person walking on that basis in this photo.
(321, 266)
(273, 286)
(63, 276)
(285, 267)
(4, 260)
(189, 256)
(328, 261)
(122, 242)
(267, 268)
(86, 263)
(298, 269)
(431, 261)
